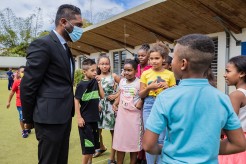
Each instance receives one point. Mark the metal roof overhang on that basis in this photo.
(164, 20)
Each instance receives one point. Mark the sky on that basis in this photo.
(24, 8)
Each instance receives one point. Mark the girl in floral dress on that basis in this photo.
(109, 82)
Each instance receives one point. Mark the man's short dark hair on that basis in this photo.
(87, 63)
(198, 49)
(66, 11)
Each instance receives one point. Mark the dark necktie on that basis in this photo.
(68, 52)
(69, 55)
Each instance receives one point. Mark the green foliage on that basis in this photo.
(78, 76)
(86, 23)
(43, 33)
(16, 33)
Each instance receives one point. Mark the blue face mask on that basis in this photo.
(76, 34)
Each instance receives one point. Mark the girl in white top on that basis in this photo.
(236, 76)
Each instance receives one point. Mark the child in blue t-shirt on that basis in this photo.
(86, 107)
(193, 112)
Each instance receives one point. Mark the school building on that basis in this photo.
(167, 20)
(11, 62)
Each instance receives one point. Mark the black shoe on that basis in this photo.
(28, 131)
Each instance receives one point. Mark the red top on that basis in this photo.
(16, 89)
(139, 73)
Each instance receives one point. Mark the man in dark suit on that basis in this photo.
(47, 86)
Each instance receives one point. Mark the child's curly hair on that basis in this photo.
(162, 48)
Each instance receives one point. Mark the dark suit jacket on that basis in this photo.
(47, 86)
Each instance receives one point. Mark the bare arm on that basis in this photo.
(236, 98)
(116, 78)
(234, 143)
(81, 121)
(113, 96)
(139, 104)
(101, 92)
(144, 89)
(150, 144)
(10, 98)
(116, 102)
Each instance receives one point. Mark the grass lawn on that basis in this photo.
(15, 149)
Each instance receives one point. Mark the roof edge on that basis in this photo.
(125, 13)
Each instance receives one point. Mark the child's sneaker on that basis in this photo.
(24, 134)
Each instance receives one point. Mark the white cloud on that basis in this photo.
(24, 8)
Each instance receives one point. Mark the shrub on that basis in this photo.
(78, 76)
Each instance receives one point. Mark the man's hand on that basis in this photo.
(81, 122)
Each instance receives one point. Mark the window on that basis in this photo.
(119, 58)
(116, 62)
(214, 64)
(123, 58)
(81, 59)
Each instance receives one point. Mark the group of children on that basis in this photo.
(180, 123)
(146, 108)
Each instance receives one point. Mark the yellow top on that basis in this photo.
(150, 75)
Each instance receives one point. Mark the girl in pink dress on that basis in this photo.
(128, 130)
(236, 76)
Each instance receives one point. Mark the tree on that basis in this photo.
(43, 33)
(16, 33)
(86, 23)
